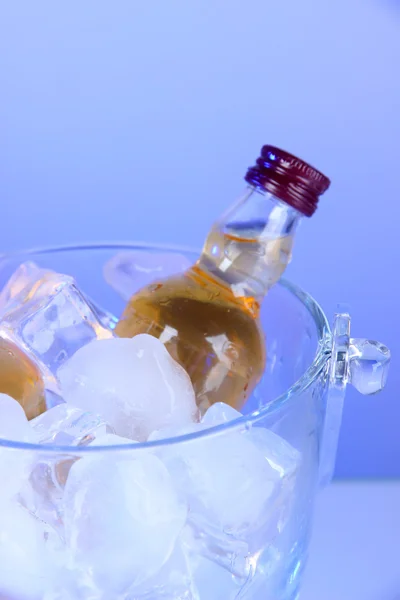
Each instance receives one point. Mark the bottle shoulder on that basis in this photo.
(195, 288)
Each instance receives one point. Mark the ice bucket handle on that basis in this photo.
(364, 364)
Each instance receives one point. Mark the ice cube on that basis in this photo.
(63, 595)
(107, 319)
(62, 425)
(31, 555)
(65, 425)
(133, 383)
(21, 284)
(43, 490)
(238, 484)
(52, 322)
(280, 455)
(173, 582)
(220, 413)
(31, 281)
(52, 399)
(173, 431)
(59, 595)
(122, 517)
(110, 439)
(214, 582)
(266, 581)
(13, 422)
(14, 462)
(127, 272)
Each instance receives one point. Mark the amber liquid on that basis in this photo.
(209, 320)
(217, 339)
(20, 378)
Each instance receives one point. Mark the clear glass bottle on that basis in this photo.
(208, 318)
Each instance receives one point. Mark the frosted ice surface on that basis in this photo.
(237, 483)
(220, 413)
(42, 492)
(281, 456)
(62, 425)
(110, 439)
(22, 283)
(14, 463)
(65, 425)
(51, 320)
(61, 595)
(174, 581)
(30, 555)
(267, 581)
(277, 451)
(31, 281)
(13, 422)
(133, 383)
(129, 271)
(53, 398)
(122, 518)
(213, 582)
(173, 431)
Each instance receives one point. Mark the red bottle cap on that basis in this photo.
(289, 179)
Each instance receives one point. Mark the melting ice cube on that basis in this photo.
(110, 439)
(173, 582)
(133, 383)
(122, 518)
(213, 582)
(65, 425)
(237, 483)
(62, 425)
(30, 555)
(127, 272)
(13, 422)
(51, 321)
(14, 462)
(22, 284)
(31, 281)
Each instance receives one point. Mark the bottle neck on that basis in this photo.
(250, 246)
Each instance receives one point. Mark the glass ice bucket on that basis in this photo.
(127, 527)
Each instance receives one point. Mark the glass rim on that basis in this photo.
(307, 378)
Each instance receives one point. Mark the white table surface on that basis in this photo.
(355, 550)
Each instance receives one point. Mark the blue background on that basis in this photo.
(136, 120)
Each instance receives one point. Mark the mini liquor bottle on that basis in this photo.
(21, 379)
(208, 317)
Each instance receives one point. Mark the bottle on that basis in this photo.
(20, 378)
(208, 317)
